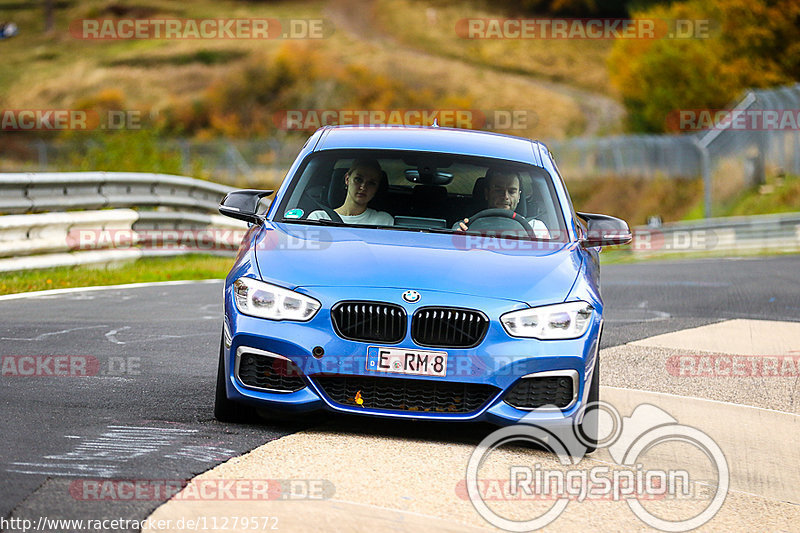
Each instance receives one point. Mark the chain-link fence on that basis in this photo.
(734, 148)
(245, 163)
(760, 134)
(635, 156)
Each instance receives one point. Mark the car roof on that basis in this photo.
(428, 139)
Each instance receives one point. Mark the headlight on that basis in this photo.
(569, 320)
(264, 300)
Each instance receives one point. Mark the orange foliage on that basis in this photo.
(297, 76)
(750, 43)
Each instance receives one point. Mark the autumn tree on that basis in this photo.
(749, 43)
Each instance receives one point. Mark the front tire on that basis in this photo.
(226, 410)
(588, 429)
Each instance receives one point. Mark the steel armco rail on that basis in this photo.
(184, 210)
(63, 219)
(727, 235)
(57, 191)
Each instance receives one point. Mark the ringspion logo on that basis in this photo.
(628, 440)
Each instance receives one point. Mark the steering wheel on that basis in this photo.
(328, 211)
(504, 213)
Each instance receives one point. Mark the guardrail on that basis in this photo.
(750, 234)
(178, 221)
(57, 191)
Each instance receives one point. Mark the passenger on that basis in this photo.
(362, 181)
(503, 191)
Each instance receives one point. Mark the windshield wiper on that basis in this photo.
(427, 230)
(326, 222)
(445, 231)
(317, 222)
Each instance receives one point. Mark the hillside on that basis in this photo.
(198, 86)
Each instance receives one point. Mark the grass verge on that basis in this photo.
(433, 26)
(187, 267)
(621, 255)
(636, 199)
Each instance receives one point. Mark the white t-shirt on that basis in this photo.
(539, 228)
(369, 217)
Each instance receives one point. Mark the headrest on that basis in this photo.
(336, 190)
(478, 190)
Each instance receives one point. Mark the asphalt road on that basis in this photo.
(147, 411)
(646, 299)
(154, 350)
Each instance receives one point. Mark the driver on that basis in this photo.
(503, 191)
(362, 181)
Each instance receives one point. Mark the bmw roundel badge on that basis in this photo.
(411, 297)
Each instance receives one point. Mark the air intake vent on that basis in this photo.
(402, 394)
(269, 373)
(535, 392)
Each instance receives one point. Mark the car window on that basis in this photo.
(420, 191)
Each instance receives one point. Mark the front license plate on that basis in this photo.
(402, 361)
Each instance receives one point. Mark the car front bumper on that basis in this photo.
(499, 361)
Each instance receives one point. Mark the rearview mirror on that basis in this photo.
(428, 176)
(243, 204)
(604, 230)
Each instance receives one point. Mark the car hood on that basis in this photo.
(299, 256)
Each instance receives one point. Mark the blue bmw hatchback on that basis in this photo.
(417, 273)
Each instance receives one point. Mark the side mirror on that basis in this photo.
(604, 230)
(243, 204)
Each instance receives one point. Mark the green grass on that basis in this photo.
(205, 57)
(178, 83)
(187, 267)
(621, 255)
(430, 25)
(54, 70)
(778, 195)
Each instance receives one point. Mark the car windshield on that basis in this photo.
(423, 191)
